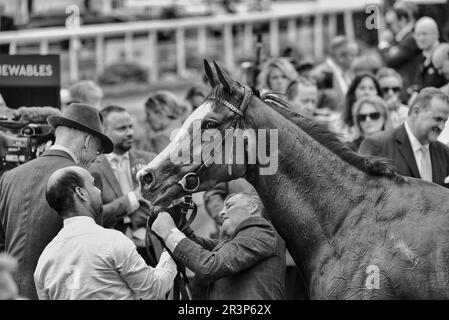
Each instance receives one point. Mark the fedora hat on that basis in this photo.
(85, 118)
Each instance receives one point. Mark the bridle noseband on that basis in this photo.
(190, 182)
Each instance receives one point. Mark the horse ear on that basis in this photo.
(209, 73)
(225, 79)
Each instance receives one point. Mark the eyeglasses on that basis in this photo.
(364, 117)
(385, 90)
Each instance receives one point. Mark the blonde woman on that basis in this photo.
(370, 115)
(276, 75)
(164, 113)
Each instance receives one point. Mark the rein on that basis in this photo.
(187, 207)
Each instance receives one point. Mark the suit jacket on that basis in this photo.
(248, 265)
(395, 145)
(6, 24)
(28, 223)
(116, 205)
(404, 57)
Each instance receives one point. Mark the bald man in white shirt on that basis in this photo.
(86, 261)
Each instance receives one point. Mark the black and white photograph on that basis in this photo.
(237, 152)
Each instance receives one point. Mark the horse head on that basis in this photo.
(202, 153)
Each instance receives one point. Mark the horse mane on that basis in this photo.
(372, 165)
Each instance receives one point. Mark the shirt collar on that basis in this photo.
(62, 148)
(415, 144)
(79, 220)
(111, 156)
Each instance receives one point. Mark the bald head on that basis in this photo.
(61, 188)
(426, 33)
(440, 59)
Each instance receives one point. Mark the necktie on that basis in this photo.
(426, 166)
(122, 174)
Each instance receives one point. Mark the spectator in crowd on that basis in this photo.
(276, 74)
(87, 92)
(6, 24)
(413, 147)
(86, 261)
(370, 115)
(196, 95)
(8, 287)
(302, 95)
(391, 84)
(363, 85)
(334, 73)
(250, 264)
(366, 64)
(401, 52)
(440, 60)
(65, 98)
(164, 113)
(27, 222)
(426, 36)
(121, 195)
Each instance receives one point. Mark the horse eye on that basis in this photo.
(211, 124)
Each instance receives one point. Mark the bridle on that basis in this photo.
(190, 182)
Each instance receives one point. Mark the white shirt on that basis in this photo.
(126, 189)
(416, 148)
(87, 261)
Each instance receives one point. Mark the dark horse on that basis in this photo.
(355, 228)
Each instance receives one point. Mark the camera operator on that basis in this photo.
(28, 224)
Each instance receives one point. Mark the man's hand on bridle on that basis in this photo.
(163, 225)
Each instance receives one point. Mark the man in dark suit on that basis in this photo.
(6, 24)
(401, 52)
(413, 146)
(28, 223)
(121, 207)
(249, 265)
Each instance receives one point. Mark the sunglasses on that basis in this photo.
(385, 90)
(364, 117)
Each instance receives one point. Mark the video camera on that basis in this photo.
(21, 135)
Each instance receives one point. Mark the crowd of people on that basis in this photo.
(72, 221)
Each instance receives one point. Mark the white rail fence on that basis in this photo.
(127, 31)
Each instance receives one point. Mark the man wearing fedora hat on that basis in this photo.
(28, 223)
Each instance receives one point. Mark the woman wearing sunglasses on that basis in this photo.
(391, 84)
(363, 85)
(370, 115)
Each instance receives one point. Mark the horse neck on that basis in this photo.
(313, 189)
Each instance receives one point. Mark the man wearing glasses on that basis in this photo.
(413, 147)
(28, 224)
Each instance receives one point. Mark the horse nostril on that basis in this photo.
(147, 180)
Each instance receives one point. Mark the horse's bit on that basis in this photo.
(190, 182)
